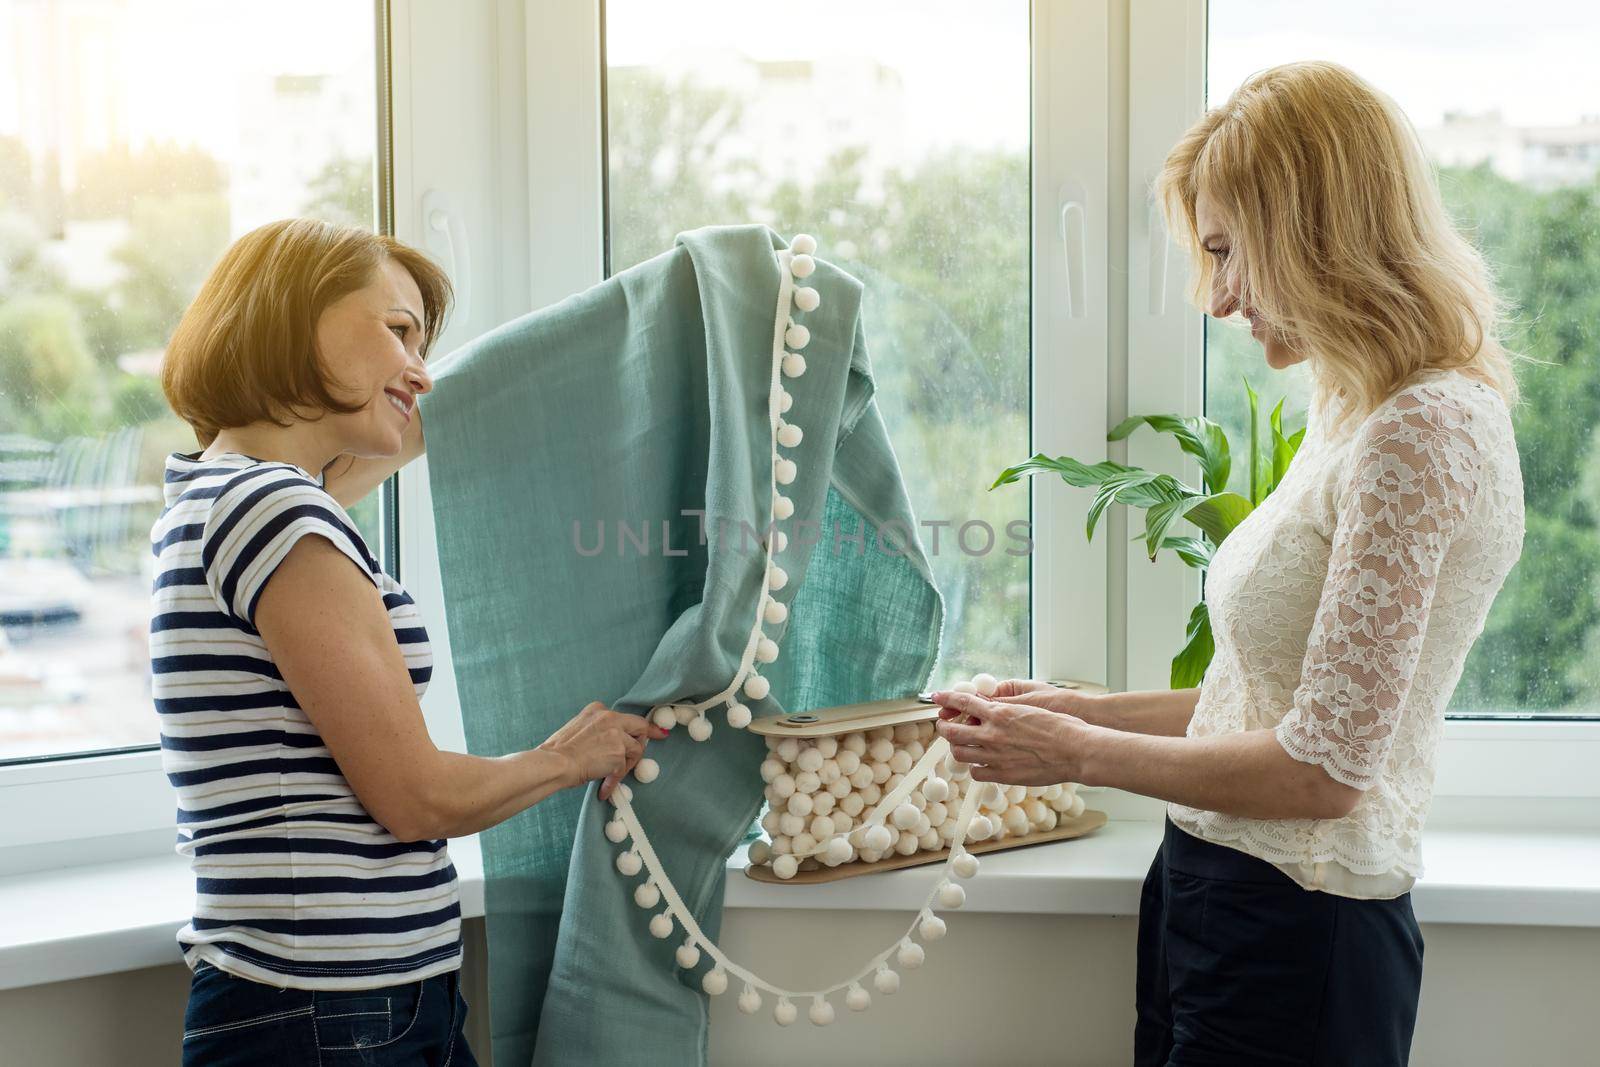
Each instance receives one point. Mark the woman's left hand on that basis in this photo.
(1012, 743)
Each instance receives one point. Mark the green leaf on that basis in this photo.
(1158, 520)
(1218, 514)
(1282, 453)
(1072, 471)
(1198, 436)
(1136, 488)
(1192, 550)
(1189, 666)
(1260, 464)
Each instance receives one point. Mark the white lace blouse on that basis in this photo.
(1343, 609)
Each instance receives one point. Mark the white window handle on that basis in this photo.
(1073, 223)
(443, 225)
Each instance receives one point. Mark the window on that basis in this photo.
(1497, 96)
(136, 142)
(904, 147)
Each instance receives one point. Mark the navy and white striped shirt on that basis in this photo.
(296, 885)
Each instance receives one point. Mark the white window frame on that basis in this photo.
(515, 147)
(1514, 761)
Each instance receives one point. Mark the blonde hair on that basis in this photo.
(245, 350)
(1346, 246)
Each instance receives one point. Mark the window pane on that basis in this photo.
(905, 151)
(1504, 98)
(137, 140)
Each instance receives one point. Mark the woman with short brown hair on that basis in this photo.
(288, 669)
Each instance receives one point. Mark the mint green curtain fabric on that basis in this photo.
(568, 454)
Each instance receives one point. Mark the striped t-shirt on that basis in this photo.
(297, 886)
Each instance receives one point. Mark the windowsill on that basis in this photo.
(75, 922)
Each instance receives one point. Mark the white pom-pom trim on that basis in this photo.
(806, 298)
(802, 266)
(803, 244)
(794, 365)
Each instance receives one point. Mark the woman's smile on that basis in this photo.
(402, 402)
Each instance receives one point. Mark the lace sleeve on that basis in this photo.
(1414, 476)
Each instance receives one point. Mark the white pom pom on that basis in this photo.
(1015, 821)
(841, 788)
(951, 895)
(785, 400)
(616, 831)
(807, 298)
(648, 770)
(624, 792)
(785, 867)
(785, 471)
(1076, 808)
(910, 955)
(839, 851)
(803, 244)
(807, 782)
(802, 265)
(777, 577)
(664, 717)
(749, 1000)
(782, 506)
(794, 365)
(854, 742)
(688, 956)
(792, 824)
(804, 845)
(848, 762)
(852, 804)
(700, 729)
(648, 896)
(907, 845)
(936, 789)
(886, 981)
(965, 865)
(629, 863)
(900, 762)
(715, 983)
(822, 827)
(760, 852)
(931, 928)
(785, 1013)
(828, 746)
(790, 435)
(985, 684)
(661, 925)
(936, 814)
(800, 804)
(905, 816)
(980, 829)
(756, 687)
(783, 785)
(788, 749)
(797, 336)
(810, 759)
(821, 1012)
(877, 838)
(963, 687)
(684, 714)
(994, 796)
(857, 999)
(881, 750)
(770, 768)
(739, 717)
(775, 612)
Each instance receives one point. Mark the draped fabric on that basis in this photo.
(601, 479)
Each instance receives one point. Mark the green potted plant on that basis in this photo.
(1212, 509)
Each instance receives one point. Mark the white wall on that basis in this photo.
(1007, 989)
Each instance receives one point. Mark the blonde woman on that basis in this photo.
(1276, 923)
(288, 668)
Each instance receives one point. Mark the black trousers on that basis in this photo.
(1239, 965)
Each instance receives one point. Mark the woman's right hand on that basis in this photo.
(601, 743)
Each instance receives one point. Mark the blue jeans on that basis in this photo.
(234, 1022)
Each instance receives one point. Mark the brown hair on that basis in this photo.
(1345, 242)
(245, 350)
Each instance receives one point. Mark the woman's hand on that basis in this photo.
(1036, 694)
(601, 743)
(1014, 743)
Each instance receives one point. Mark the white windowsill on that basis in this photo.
(76, 922)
